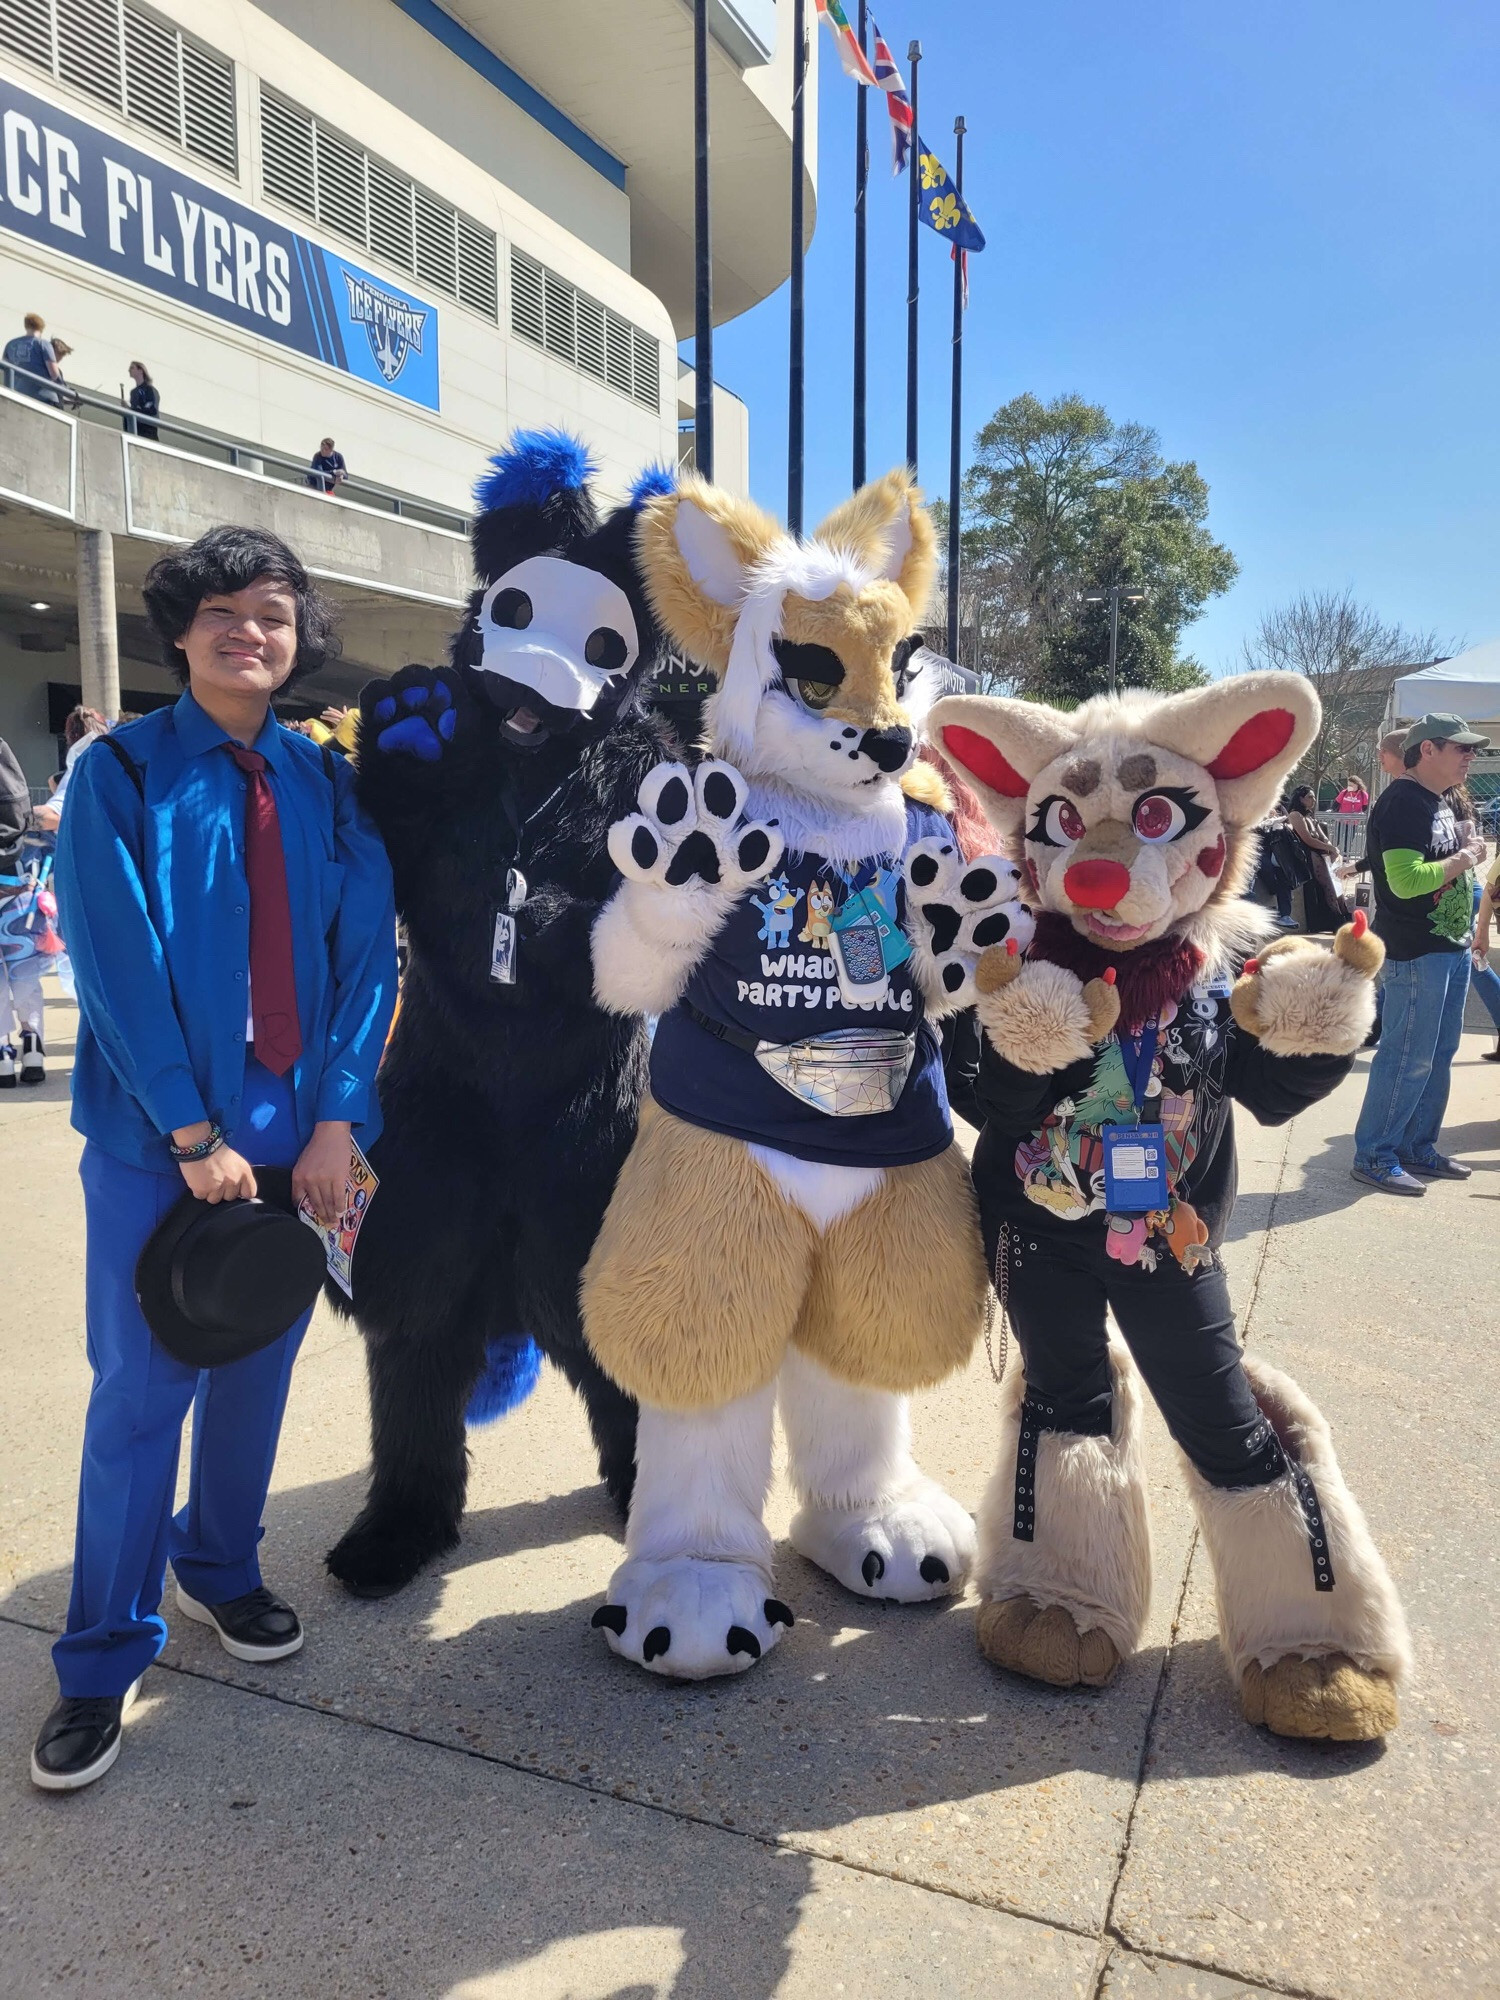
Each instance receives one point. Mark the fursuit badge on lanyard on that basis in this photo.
(1135, 1156)
(503, 943)
(867, 942)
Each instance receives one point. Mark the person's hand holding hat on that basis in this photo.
(221, 1175)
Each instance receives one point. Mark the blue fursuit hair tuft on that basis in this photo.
(512, 1369)
(531, 469)
(651, 483)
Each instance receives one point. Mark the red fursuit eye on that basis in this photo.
(1158, 818)
(1066, 821)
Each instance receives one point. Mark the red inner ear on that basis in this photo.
(1254, 743)
(982, 760)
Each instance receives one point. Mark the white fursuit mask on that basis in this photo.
(564, 631)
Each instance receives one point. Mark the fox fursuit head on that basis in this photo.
(1132, 821)
(794, 1226)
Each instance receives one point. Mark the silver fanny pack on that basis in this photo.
(849, 1073)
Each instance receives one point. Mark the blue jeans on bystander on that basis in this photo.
(1487, 986)
(1407, 1091)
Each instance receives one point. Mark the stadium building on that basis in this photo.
(406, 227)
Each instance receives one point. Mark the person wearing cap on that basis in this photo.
(229, 913)
(1423, 872)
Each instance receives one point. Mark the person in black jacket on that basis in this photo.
(1106, 1178)
(145, 400)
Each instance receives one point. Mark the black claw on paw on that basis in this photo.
(778, 1613)
(933, 1569)
(696, 856)
(872, 1569)
(610, 1615)
(658, 1641)
(718, 795)
(643, 848)
(944, 923)
(672, 802)
(741, 1641)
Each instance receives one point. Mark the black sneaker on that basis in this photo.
(33, 1069)
(1436, 1167)
(79, 1740)
(256, 1626)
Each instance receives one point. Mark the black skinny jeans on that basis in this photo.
(1179, 1329)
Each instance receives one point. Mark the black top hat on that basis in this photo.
(218, 1281)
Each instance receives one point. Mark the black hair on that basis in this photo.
(220, 562)
(1412, 757)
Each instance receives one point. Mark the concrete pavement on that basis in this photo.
(459, 1792)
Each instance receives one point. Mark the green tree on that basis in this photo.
(1058, 499)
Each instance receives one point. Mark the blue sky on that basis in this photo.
(1269, 231)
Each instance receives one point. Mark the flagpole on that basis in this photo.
(795, 361)
(703, 268)
(955, 438)
(861, 185)
(914, 196)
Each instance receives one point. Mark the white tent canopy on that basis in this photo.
(1467, 685)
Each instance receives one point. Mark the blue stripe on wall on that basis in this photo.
(471, 51)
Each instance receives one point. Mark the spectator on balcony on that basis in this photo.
(1353, 798)
(328, 467)
(144, 400)
(31, 367)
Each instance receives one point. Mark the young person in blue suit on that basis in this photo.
(228, 910)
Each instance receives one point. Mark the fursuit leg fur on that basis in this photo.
(1308, 1663)
(868, 1515)
(1067, 1607)
(693, 1598)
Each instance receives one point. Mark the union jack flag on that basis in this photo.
(889, 79)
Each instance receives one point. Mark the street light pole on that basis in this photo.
(1116, 595)
(703, 264)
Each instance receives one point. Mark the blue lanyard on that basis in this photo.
(1138, 1053)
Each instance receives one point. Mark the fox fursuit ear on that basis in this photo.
(696, 548)
(885, 527)
(1247, 733)
(999, 747)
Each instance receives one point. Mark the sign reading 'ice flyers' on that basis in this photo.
(75, 189)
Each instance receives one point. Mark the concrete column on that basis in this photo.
(98, 632)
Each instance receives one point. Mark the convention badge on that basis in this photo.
(503, 950)
(1135, 1169)
(859, 960)
(517, 889)
(360, 1183)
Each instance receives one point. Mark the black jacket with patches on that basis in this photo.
(1040, 1157)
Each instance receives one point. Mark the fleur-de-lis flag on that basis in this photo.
(942, 207)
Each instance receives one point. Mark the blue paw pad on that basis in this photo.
(413, 735)
(414, 697)
(385, 708)
(445, 724)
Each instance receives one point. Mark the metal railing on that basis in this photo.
(219, 448)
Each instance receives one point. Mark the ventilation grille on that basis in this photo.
(552, 314)
(320, 173)
(123, 55)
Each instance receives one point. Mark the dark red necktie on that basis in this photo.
(273, 982)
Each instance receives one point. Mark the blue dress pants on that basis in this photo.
(1406, 1094)
(133, 1430)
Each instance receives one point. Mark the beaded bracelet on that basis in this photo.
(186, 1155)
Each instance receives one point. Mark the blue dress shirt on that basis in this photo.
(155, 911)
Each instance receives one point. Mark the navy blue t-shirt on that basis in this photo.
(770, 973)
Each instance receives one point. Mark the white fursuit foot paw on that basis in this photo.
(914, 1545)
(690, 1617)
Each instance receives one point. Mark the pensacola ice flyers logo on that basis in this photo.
(394, 327)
